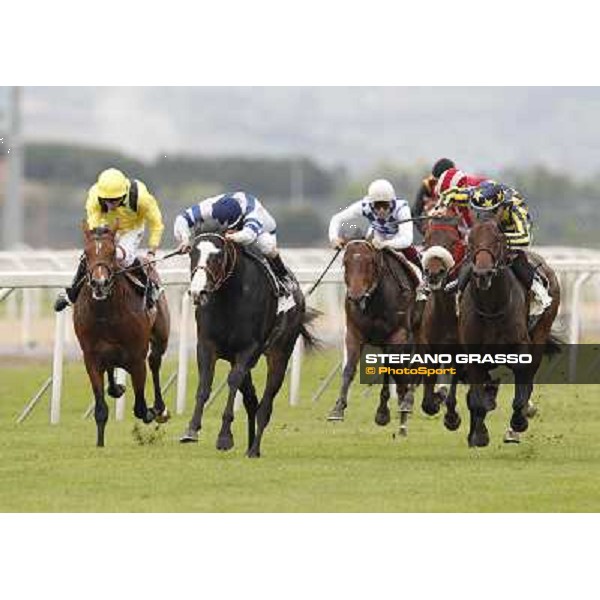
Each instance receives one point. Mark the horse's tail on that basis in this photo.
(554, 345)
(311, 341)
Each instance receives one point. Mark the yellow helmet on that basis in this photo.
(112, 184)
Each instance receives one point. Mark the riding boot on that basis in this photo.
(153, 290)
(284, 278)
(522, 269)
(69, 296)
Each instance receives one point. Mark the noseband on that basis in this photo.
(362, 301)
(217, 277)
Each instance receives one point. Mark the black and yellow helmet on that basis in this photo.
(487, 196)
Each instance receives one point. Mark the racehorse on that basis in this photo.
(494, 313)
(379, 306)
(443, 254)
(115, 329)
(239, 318)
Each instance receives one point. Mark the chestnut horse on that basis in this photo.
(443, 254)
(115, 330)
(494, 311)
(380, 305)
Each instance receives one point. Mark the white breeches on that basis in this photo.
(127, 246)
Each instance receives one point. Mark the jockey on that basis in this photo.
(244, 220)
(515, 222)
(114, 198)
(385, 214)
(455, 178)
(426, 198)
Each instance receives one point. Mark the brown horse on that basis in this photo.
(115, 329)
(443, 254)
(494, 312)
(380, 305)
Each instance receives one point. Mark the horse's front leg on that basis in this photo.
(251, 405)
(206, 359)
(96, 376)
(239, 371)
(115, 390)
(348, 373)
(478, 407)
(138, 382)
(382, 416)
(158, 346)
(429, 405)
(154, 362)
(519, 421)
(452, 418)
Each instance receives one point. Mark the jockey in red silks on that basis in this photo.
(455, 178)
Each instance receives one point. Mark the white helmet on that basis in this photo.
(381, 190)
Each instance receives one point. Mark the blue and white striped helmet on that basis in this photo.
(227, 211)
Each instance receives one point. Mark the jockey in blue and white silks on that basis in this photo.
(389, 222)
(243, 219)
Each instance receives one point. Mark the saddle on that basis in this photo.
(140, 288)
(409, 268)
(259, 259)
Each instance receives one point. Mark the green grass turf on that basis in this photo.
(307, 465)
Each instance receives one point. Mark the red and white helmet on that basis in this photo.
(449, 179)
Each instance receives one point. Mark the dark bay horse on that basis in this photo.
(239, 318)
(380, 306)
(115, 329)
(493, 313)
(443, 252)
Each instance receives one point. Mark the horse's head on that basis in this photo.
(100, 255)
(213, 259)
(443, 247)
(361, 271)
(487, 249)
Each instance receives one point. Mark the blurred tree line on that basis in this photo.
(301, 194)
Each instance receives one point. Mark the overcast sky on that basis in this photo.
(481, 128)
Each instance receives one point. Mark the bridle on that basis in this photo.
(109, 283)
(217, 277)
(364, 298)
(458, 246)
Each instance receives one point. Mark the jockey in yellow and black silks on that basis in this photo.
(116, 198)
(514, 222)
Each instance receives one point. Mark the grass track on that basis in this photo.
(307, 465)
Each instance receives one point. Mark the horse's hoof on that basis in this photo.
(163, 417)
(115, 391)
(519, 423)
(512, 437)
(188, 437)
(382, 417)
(253, 453)
(531, 410)
(452, 421)
(430, 407)
(403, 431)
(479, 439)
(225, 442)
(149, 416)
(336, 414)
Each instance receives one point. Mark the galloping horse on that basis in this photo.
(493, 311)
(380, 304)
(239, 318)
(443, 254)
(115, 329)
